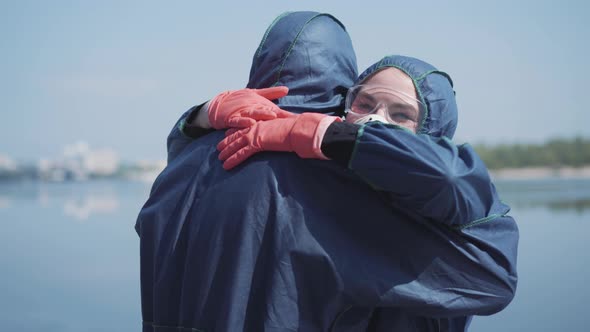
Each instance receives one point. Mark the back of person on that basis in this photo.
(284, 243)
(296, 244)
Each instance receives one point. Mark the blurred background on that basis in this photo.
(90, 90)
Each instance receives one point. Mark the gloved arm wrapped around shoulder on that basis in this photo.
(431, 176)
(229, 109)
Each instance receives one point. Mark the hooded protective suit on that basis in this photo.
(286, 244)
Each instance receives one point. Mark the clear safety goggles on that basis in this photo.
(395, 106)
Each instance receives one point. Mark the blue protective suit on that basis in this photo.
(411, 237)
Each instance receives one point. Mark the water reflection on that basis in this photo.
(81, 209)
(557, 195)
(69, 276)
(70, 256)
(5, 202)
(82, 200)
(79, 201)
(43, 197)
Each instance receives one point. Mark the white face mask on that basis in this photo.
(368, 118)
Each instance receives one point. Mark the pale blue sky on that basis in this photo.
(119, 73)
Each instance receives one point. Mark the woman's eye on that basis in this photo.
(362, 106)
(401, 117)
(366, 106)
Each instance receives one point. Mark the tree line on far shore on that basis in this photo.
(554, 153)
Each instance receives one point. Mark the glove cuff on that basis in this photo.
(213, 114)
(308, 132)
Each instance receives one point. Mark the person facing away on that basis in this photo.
(290, 244)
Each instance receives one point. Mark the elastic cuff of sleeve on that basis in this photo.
(188, 126)
(319, 135)
(202, 118)
(339, 141)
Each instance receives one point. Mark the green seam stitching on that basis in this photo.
(173, 327)
(442, 73)
(479, 221)
(447, 140)
(267, 32)
(181, 126)
(292, 45)
(426, 74)
(359, 133)
(415, 81)
(355, 148)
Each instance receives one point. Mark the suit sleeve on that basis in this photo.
(183, 133)
(463, 253)
(463, 272)
(430, 176)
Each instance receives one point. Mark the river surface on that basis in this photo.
(69, 256)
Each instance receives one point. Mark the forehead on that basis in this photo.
(392, 78)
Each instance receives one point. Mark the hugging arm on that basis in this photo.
(470, 245)
(463, 253)
(430, 176)
(460, 246)
(230, 109)
(426, 175)
(453, 272)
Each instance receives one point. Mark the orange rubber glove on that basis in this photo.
(242, 108)
(301, 134)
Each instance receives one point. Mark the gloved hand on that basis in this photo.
(242, 108)
(301, 134)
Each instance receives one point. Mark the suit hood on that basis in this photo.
(434, 89)
(311, 53)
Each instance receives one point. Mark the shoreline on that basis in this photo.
(502, 174)
(537, 173)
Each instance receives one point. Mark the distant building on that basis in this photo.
(78, 162)
(8, 167)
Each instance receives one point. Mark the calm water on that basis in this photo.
(69, 257)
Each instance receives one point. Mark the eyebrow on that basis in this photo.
(404, 106)
(365, 95)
